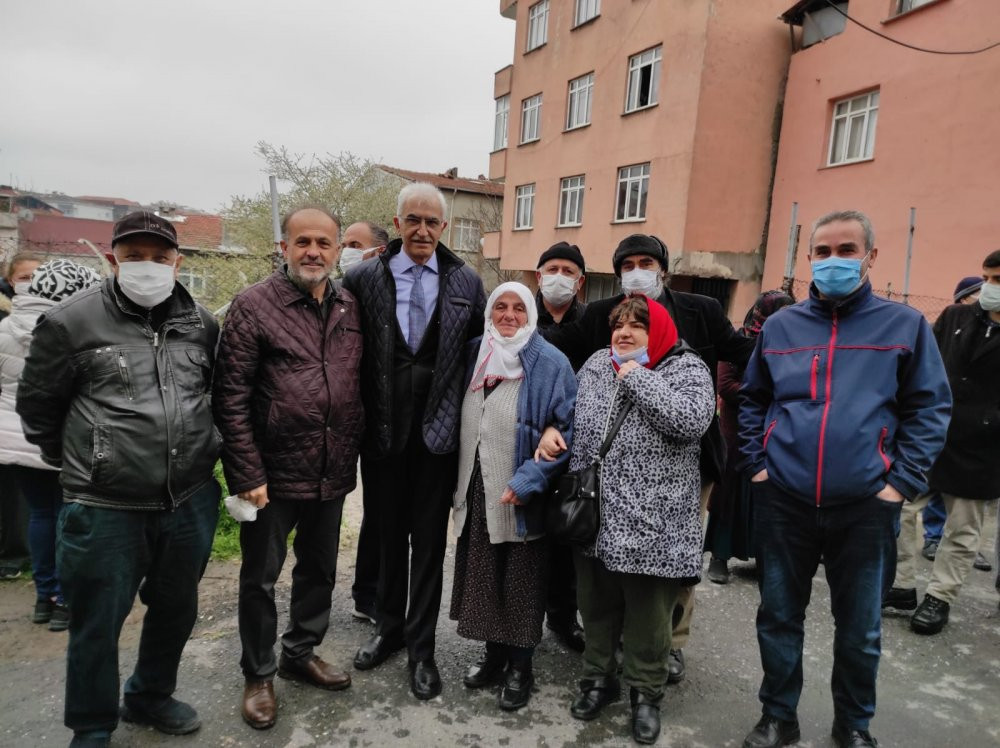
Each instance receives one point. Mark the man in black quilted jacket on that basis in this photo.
(420, 305)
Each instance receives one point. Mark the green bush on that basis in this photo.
(226, 544)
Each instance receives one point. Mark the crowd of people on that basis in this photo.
(812, 435)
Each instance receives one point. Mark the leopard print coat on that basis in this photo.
(650, 481)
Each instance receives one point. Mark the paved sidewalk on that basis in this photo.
(933, 691)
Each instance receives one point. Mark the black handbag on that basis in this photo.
(574, 509)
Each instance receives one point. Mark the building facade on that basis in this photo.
(647, 116)
(874, 125)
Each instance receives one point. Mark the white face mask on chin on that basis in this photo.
(645, 282)
(147, 283)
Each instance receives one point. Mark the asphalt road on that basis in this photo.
(933, 691)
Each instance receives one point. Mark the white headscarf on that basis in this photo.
(498, 356)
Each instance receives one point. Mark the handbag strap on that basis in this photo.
(614, 429)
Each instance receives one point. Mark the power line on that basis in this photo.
(911, 46)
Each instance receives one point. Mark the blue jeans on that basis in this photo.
(41, 489)
(934, 517)
(857, 542)
(105, 556)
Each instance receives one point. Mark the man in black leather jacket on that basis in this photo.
(641, 262)
(115, 391)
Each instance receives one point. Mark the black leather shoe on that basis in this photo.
(931, 616)
(570, 634)
(771, 732)
(93, 739)
(516, 690)
(595, 694)
(901, 598)
(846, 738)
(425, 681)
(718, 571)
(167, 715)
(981, 564)
(675, 666)
(487, 671)
(645, 717)
(375, 651)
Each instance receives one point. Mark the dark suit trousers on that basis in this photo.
(412, 491)
(367, 563)
(264, 543)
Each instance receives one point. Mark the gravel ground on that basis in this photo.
(933, 691)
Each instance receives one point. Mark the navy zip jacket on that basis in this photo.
(840, 398)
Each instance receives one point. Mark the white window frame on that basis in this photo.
(531, 118)
(194, 280)
(905, 6)
(524, 207)
(571, 190)
(538, 25)
(852, 130)
(500, 121)
(653, 60)
(579, 101)
(633, 207)
(585, 10)
(466, 234)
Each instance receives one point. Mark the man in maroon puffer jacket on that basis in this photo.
(288, 404)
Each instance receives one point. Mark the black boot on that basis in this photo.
(595, 694)
(488, 669)
(517, 683)
(645, 716)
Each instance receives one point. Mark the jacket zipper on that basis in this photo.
(126, 380)
(767, 434)
(812, 376)
(881, 448)
(826, 409)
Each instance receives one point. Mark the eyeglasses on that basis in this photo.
(414, 221)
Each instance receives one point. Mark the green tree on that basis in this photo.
(350, 186)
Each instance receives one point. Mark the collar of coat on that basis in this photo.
(447, 260)
(289, 293)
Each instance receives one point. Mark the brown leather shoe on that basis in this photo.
(314, 671)
(259, 708)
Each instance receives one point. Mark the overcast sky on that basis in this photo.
(165, 101)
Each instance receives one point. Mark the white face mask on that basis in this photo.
(989, 297)
(351, 256)
(645, 282)
(21, 287)
(558, 289)
(147, 283)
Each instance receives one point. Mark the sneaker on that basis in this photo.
(901, 598)
(60, 617)
(10, 572)
(43, 611)
(981, 563)
(931, 616)
(930, 550)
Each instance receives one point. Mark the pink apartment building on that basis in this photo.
(641, 116)
(873, 125)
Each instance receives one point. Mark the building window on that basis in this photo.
(571, 201)
(633, 186)
(531, 114)
(524, 206)
(852, 137)
(578, 105)
(500, 123)
(538, 24)
(905, 6)
(193, 280)
(643, 79)
(585, 10)
(466, 235)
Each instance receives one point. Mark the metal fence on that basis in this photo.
(930, 306)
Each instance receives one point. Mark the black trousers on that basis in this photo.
(264, 544)
(560, 603)
(412, 492)
(366, 564)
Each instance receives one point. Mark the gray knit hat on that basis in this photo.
(60, 279)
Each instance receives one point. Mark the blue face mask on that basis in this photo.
(837, 277)
(639, 355)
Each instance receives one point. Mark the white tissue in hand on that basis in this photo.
(240, 509)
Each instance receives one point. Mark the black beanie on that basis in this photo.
(563, 251)
(640, 244)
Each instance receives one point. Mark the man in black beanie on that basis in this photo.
(641, 261)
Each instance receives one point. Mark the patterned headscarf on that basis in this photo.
(767, 304)
(60, 279)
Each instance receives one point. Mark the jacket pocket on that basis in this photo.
(102, 453)
(881, 448)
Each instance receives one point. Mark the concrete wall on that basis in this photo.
(937, 143)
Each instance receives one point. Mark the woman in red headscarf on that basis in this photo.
(649, 541)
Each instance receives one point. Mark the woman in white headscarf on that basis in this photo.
(518, 385)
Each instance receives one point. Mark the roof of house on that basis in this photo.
(52, 232)
(107, 200)
(449, 181)
(201, 231)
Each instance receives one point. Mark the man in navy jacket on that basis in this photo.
(844, 408)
